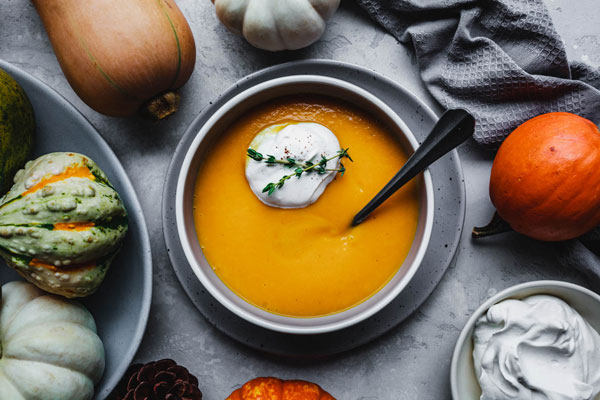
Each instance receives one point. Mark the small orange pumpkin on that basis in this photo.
(545, 180)
(277, 389)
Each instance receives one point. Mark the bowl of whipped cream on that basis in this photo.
(536, 340)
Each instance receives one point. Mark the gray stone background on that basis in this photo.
(410, 362)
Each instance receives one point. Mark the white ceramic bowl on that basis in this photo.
(463, 379)
(219, 121)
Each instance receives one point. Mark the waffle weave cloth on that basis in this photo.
(502, 60)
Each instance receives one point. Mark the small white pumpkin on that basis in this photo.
(277, 24)
(49, 348)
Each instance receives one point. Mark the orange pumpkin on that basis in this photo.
(277, 389)
(545, 180)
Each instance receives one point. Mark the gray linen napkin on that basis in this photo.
(584, 256)
(504, 62)
(500, 59)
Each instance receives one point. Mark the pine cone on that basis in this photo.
(158, 380)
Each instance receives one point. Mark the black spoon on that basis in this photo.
(453, 128)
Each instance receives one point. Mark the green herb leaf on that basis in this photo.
(268, 188)
(255, 155)
(344, 154)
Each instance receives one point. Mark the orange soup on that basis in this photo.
(306, 262)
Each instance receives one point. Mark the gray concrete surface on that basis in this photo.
(411, 362)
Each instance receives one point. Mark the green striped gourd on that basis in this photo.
(61, 224)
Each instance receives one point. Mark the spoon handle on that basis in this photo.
(453, 128)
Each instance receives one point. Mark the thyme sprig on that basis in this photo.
(300, 168)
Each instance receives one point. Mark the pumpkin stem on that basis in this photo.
(495, 226)
(161, 106)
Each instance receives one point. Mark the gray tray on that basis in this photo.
(448, 222)
(122, 303)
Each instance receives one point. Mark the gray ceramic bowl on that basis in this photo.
(219, 121)
(122, 303)
(463, 380)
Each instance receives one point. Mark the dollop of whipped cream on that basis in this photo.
(302, 141)
(538, 348)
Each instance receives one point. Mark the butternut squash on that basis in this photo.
(121, 56)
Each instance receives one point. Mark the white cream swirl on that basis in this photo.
(538, 348)
(302, 141)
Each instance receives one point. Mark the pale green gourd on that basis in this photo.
(61, 224)
(49, 348)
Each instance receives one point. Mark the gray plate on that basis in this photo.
(121, 305)
(448, 221)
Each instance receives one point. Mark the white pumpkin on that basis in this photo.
(277, 24)
(49, 348)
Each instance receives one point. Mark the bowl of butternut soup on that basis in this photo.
(266, 195)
